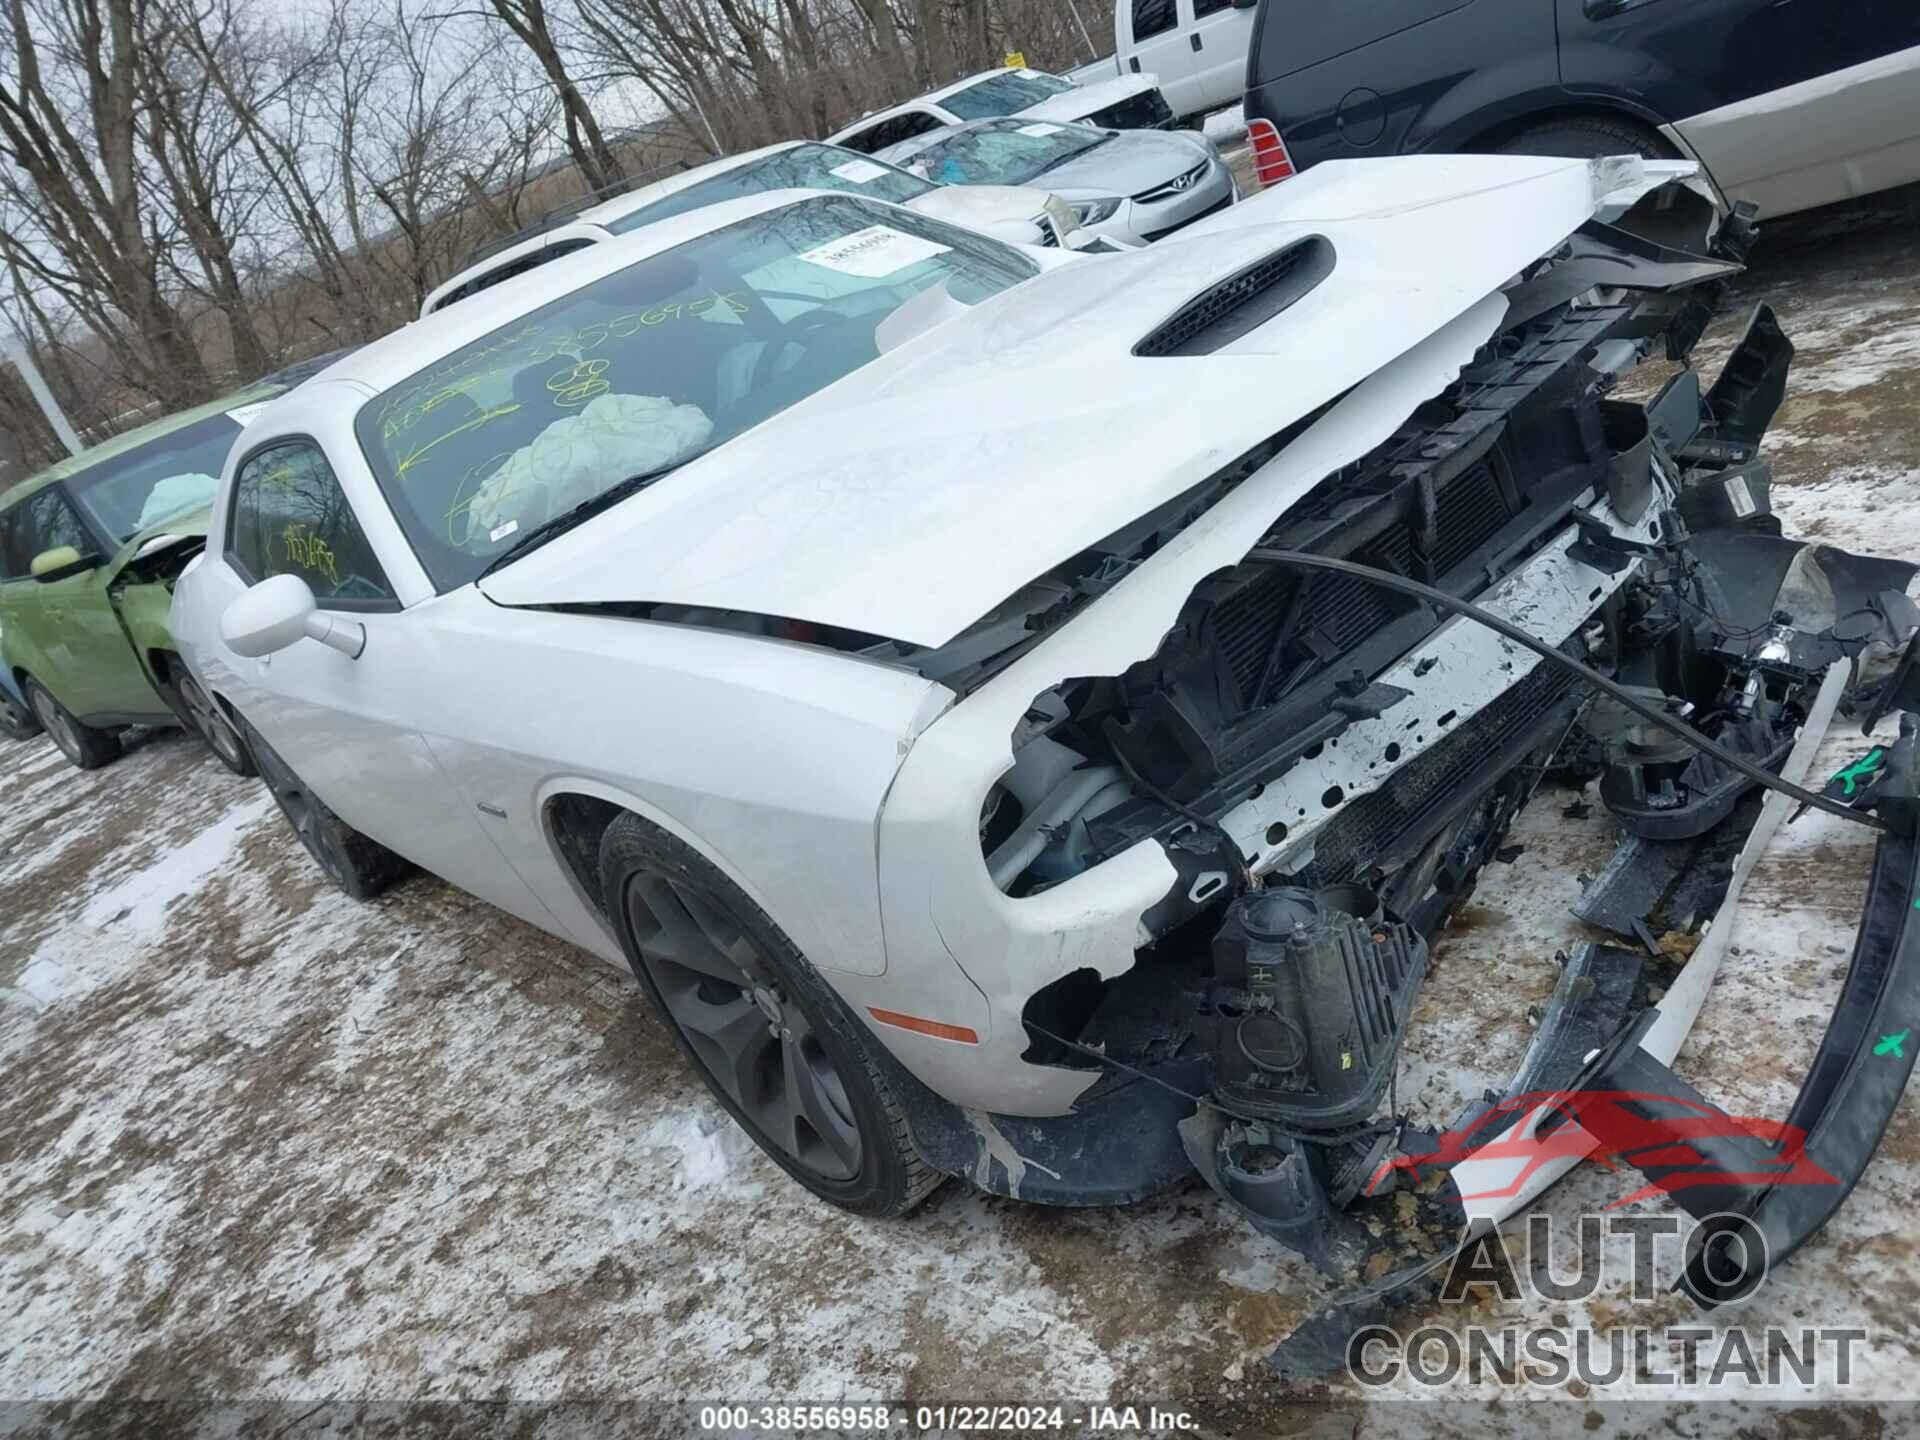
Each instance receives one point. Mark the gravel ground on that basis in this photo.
(259, 1141)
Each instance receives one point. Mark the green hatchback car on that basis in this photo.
(89, 551)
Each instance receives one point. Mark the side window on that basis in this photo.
(1152, 17)
(1204, 8)
(914, 122)
(486, 280)
(290, 517)
(13, 543)
(44, 522)
(868, 140)
(894, 129)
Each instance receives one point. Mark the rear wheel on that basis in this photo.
(85, 746)
(1587, 137)
(772, 1041)
(17, 720)
(360, 866)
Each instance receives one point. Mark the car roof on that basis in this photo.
(132, 439)
(595, 224)
(621, 206)
(406, 351)
(934, 97)
(901, 151)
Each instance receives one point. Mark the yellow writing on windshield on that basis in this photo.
(414, 457)
(529, 346)
(577, 386)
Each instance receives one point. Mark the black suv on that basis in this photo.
(1788, 103)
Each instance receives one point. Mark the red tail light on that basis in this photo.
(1271, 163)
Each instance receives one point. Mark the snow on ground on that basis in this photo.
(259, 1141)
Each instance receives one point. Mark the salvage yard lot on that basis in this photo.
(259, 1141)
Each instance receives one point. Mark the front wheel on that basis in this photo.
(774, 1044)
(362, 867)
(85, 746)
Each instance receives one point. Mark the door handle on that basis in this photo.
(1194, 40)
(1133, 63)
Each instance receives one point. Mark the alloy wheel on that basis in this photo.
(759, 1046)
(302, 812)
(214, 726)
(54, 721)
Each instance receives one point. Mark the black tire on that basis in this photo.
(17, 720)
(85, 746)
(754, 1018)
(1587, 137)
(201, 716)
(363, 868)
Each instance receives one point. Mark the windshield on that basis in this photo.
(640, 370)
(1003, 94)
(165, 478)
(1006, 152)
(804, 167)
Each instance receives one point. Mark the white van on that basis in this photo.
(1198, 48)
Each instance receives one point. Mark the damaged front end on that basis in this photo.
(1309, 772)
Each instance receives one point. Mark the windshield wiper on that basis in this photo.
(567, 519)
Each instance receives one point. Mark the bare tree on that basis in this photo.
(530, 23)
(69, 113)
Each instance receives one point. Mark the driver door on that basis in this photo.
(341, 722)
(65, 632)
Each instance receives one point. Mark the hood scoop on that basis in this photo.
(1240, 304)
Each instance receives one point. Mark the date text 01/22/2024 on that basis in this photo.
(943, 1419)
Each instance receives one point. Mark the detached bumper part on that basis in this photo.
(1626, 1102)
(1790, 1188)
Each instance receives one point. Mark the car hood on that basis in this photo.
(1126, 164)
(1084, 100)
(913, 496)
(981, 205)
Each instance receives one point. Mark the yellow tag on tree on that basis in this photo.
(1016, 60)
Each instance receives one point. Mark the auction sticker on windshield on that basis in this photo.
(859, 172)
(1039, 128)
(243, 415)
(875, 251)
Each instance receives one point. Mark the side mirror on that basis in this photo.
(60, 562)
(272, 615)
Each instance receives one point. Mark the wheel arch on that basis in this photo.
(1483, 132)
(574, 816)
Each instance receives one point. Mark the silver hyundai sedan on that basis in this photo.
(1129, 185)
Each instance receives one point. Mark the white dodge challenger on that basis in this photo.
(1022, 714)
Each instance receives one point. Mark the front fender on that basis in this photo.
(145, 612)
